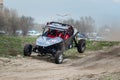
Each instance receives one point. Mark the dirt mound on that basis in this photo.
(98, 65)
(107, 61)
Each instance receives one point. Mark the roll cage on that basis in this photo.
(55, 29)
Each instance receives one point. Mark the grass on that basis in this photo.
(99, 45)
(13, 46)
(92, 46)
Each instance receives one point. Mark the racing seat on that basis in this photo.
(53, 34)
(61, 35)
(65, 37)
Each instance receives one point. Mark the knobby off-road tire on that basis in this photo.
(27, 50)
(59, 57)
(81, 46)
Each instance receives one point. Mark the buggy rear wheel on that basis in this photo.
(27, 50)
(81, 46)
(59, 57)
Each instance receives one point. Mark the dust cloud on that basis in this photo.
(113, 34)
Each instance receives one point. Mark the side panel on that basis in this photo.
(69, 42)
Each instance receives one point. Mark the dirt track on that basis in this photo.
(89, 66)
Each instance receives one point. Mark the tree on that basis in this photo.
(1, 20)
(84, 25)
(26, 24)
(6, 15)
(10, 18)
(87, 25)
(13, 22)
(10, 22)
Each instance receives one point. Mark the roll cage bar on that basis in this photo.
(66, 28)
(59, 26)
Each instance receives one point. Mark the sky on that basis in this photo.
(102, 11)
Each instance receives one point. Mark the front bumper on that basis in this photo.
(42, 49)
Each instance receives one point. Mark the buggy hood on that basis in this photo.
(47, 41)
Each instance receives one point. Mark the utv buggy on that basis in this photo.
(56, 38)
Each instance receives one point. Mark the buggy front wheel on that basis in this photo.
(59, 57)
(27, 50)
